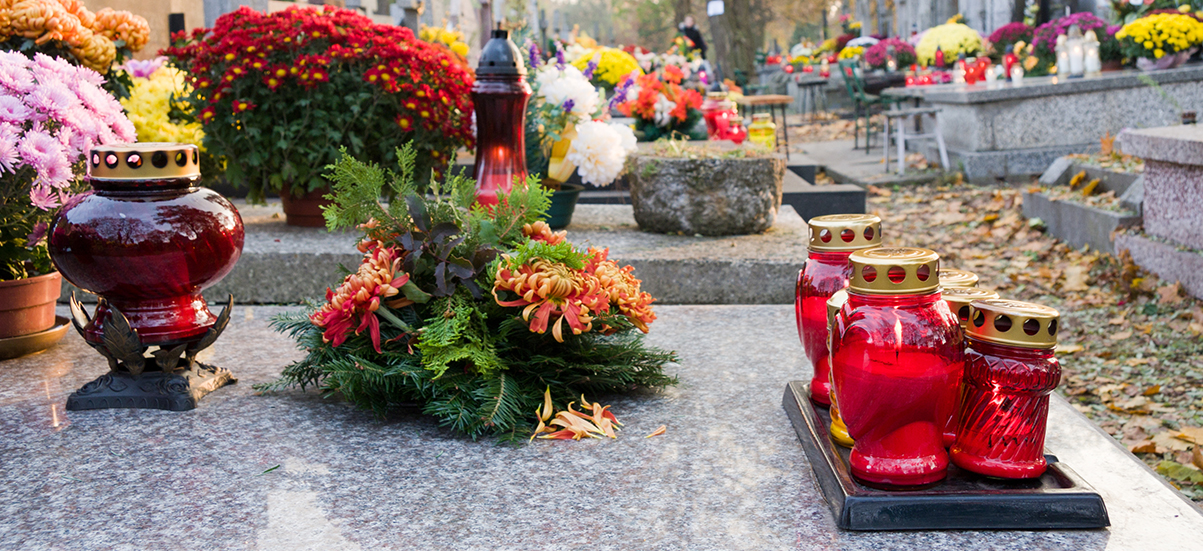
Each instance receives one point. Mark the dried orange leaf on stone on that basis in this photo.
(659, 430)
(1121, 335)
(546, 412)
(1069, 348)
(1155, 389)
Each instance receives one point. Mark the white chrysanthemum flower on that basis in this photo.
(663, 110)
(599, 151)
(557, 86)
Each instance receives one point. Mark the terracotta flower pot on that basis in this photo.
(304, 211)
(27, 305)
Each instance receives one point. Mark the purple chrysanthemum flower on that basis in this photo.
(568, 105)
(38, 235)
(535, 54)
(620, 93)
(560, 58)
(589, 69)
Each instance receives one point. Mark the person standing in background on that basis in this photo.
(693, 34)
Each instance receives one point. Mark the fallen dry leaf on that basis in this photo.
(1121, 335)
(1191, 434)
(1196, 457)
(1169, 440)
(1169, 294)
(659, 430)
(1155, 389)
(1076, 278)
(1069, 348)
(1145, 446)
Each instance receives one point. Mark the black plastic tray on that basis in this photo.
(964, 501)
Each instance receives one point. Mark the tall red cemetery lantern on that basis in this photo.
(500, 95)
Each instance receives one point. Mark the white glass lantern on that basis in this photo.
(1092, 63)
(1062, 56)
(1016, 75)
(1077, 52)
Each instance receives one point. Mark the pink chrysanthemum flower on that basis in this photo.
(39, 149)
(8, 150)
(44, 197)
(13, 110)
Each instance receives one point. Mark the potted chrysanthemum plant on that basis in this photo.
(279, 93)
(51, 112)
(567, 133)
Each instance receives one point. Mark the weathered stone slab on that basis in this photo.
(1173, 180)
(1077, 224)
(993, 128)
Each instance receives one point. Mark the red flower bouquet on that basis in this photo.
(278, 94)
(660, 105)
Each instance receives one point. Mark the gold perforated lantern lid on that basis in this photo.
(844, 232)
(1013, 323)
(951, 277)
(894, 271)
(144, 161)
(958, 299)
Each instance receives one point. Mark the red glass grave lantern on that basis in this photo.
(500, 95)
(710, 108)
(832, 239)
(951, 277)
(958, 299)
(727, 123)
(1009, 373)
(896, 361)
(838, 431)
(147, 241)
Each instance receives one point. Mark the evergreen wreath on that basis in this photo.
(452, 304)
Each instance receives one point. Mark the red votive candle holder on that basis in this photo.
(1009, 373)
(958, 299)
(832, 239)
(896, 360)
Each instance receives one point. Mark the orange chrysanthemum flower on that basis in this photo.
(540, 231)
(548, 289)
(358, 298)
(622, 289)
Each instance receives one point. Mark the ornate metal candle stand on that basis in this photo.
(147, 241)
(136, 379)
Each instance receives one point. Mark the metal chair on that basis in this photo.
(863, 102)
(902, 115)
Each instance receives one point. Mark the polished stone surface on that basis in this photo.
(729, 473)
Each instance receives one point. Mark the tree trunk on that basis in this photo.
(681, 8)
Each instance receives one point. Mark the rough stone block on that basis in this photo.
(1133, 198)
(1074, 223)
(1169, 262)
(706, 196)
